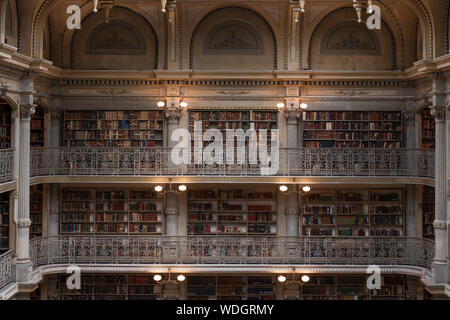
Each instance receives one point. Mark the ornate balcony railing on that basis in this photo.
(6, 165)
(292, 162)
(246, 250)
(6, 275)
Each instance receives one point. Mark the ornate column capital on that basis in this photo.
(439, 113)
(24, 222)
(171, 211)
(26, 111)
(292, 116)
(409, 116)
(172, 113)
(440, 224)
(56, 115)
(292, 211)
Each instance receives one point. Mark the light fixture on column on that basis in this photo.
(360, 6)
(280, 105)
(181, 188)
(303, 279)
(107, 4)
(285, 189)
(183, 104)
(161, 104)
(163, 5)
(159, 279)
(292, 107)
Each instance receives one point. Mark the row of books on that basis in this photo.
(351, 115)
(113, 143)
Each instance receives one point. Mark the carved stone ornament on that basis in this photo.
(440, 224)
(24, 222)
(409, 116)
(172, 211)
(27, 110)
(292, 116)
(173, 113)
(438, 112)
(292, 211)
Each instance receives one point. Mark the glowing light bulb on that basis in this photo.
(182, 188)
(280, 105)
(282, 278)
(181, 278)
(305, 278)
(183, 104)
(304, 106)
(161, 104)
(306, 189)
(159, 188)
(157, 277)
(283, 188)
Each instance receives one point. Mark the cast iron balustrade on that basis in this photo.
(293, 162)
(245, 250)
(6, 165)
(6, 275)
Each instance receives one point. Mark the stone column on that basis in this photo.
(440, 223)
(173, 114)
(409, 117)
(54, 189)
(448, 193)
(23, 266)
(292, 204)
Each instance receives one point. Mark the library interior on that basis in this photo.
(352, 100)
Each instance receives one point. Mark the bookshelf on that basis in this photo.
(230, 288)
(428, 130)
(122, 129)
(350, 287)
(238, 211)
(352, 129)
(124, 211)
(36, 211)
(37, 128)
(350, 213)
(112, 287)
(4, 222)
(5, 125)
(428, 212)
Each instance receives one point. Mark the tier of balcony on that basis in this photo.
(257, 253)
(301, 162)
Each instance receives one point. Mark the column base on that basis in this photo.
(441, 272)
(23, 271)
(22, 296)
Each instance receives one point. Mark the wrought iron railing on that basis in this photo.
(6, 275)
(6, 165)
(292, 162)
(246, 250)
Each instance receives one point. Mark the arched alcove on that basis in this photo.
(233, 38)
(127, 41)
(9, 23)
(341, 43)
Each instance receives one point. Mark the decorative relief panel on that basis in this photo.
(350, 39)
(233, 37)
(115, 38)
(230, 38)
(127, 42)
